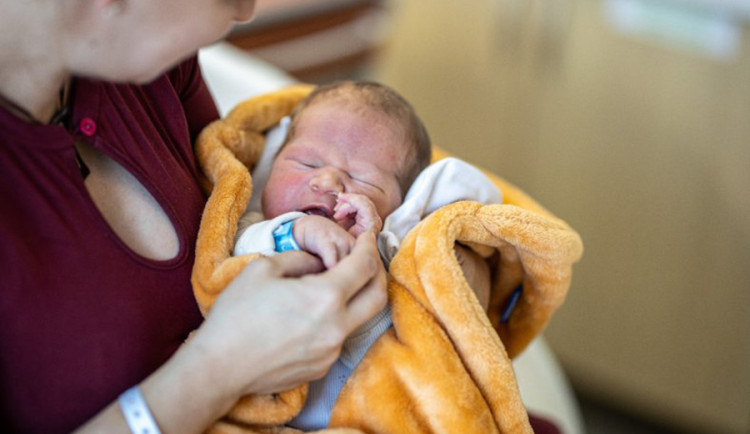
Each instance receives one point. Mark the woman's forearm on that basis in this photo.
(186, 395)
(183, 397)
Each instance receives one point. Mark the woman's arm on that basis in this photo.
(269, 331)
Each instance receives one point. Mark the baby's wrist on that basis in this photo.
(284, 238)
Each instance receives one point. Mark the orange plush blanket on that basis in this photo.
(445, 366)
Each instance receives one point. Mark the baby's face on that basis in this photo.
(336, 149)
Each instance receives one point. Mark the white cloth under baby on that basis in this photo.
(274, 139)
(441, 183)
(258, 237)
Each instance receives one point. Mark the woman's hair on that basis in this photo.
(367, 95)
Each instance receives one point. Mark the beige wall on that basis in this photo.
(643, 149)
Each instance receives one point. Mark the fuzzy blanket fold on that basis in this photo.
(445, 366)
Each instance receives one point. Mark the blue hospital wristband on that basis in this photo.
(283, 237)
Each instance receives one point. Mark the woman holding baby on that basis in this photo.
(99, 103)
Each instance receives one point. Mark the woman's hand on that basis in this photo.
(271, 329)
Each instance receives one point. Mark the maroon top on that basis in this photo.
(82, 317)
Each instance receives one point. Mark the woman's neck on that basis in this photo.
(31, 62)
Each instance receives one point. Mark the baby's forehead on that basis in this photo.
(344, 110)
(345, 103)
(350, 107)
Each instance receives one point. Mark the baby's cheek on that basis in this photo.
(273, 201)
(388, 205)
(280, 195)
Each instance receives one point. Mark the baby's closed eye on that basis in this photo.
(366, 183)
(306, 164)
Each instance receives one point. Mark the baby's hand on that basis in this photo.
(357, 213)
(324, 238)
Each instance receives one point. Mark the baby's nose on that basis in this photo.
(327, 181)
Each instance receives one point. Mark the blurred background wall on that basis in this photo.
(630, 119)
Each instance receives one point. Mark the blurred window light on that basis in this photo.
(709, 33)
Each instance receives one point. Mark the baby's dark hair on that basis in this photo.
(383, 99)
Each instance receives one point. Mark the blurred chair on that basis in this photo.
(314, 40)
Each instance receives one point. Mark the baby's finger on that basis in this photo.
(330, 254)
(344, 246)
(366, 222)
(353, 199)
(343, 210)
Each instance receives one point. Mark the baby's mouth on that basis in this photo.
(318, 210)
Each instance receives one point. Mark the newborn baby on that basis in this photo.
(352, 151)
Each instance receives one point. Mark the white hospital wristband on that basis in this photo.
(136, 412)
